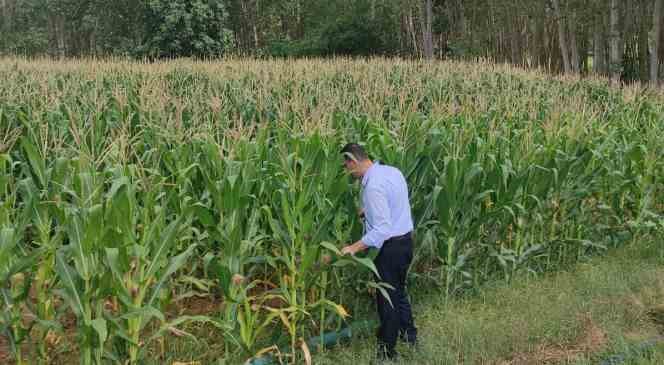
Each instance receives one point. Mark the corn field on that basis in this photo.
(129, 189)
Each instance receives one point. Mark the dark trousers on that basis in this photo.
(396, 320)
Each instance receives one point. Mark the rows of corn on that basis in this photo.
(127, 189)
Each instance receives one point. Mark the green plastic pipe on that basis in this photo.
(327, 340)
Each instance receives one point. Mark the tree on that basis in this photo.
(574, 57)
(599, 40)
(616, 41)
(655, 37)
(187, 28)
(426, 22)
(562, 36)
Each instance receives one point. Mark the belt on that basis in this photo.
(400, 238)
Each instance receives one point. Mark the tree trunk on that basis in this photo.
(538, 44)
(427, 31)
(642, 44)
(59, 27)
(404, 34)
(4, 26)
(472, 20)
(556, 59)
(599, 46)
(584, 52)
(492, 37)
(284, 24)
(372, 11)
(617, 48)
(255, 24)
(562, 39)
(93, 39)
(5, 16)
(661, 49)
(575, 60)
(655, 41)
(462, 22)
(514, 49)
(515, 40)
(250, 24)
(411, 30)
(300, 20)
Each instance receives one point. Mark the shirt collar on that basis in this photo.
(365, 178)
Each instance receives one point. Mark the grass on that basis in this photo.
(579, 316)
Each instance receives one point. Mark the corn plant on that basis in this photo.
(128, 187)
(15, 285)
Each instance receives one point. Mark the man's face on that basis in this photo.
(352, 167)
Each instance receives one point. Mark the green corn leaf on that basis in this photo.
(5, 162)
(368, 263)
(331, 247)
(176, 263)
(78, 245)
(382, 288)
(114, 263)
(181, 320)
(145, 313)
(338, 308)
(224, 275)
(342, 263)
(37, 164)
(204, 215)
(309, 256)
(162, 248)
(120, 205)
(7, 244)
(69, 280)
(99, 325)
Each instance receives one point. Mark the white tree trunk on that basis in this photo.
(411, 29)
(599, 55)
(372, 10)
(616, 42)
(59, 30)
(6, 18)
(562, 37)
(575, 60)
(427, 29)
(255, 25)
(655, 40)
(93, 39)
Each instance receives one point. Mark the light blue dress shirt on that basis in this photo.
(385, 203)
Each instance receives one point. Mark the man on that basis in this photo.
(388, 227)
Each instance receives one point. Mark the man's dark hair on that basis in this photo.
(353, 151)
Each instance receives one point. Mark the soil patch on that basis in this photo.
(196, 305)
(5, 351)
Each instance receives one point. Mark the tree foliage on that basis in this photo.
(614, 38)
(186, 28)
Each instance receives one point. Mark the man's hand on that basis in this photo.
(348, 250)
(354, 248)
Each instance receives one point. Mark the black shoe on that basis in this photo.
(386, 353)
(409, 338)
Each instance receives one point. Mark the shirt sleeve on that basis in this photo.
(377, 213)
